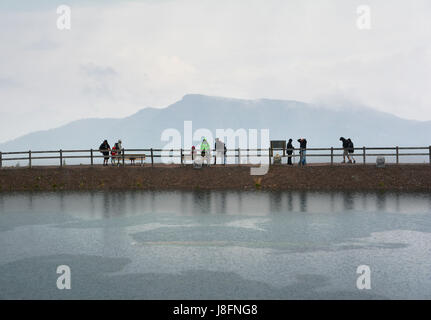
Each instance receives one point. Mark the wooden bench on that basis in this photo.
(133, 157)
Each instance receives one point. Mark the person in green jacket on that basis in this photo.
(205, 151)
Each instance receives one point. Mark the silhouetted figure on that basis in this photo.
(351, 150)
(289, 151)
(104, 149)
(348, 149)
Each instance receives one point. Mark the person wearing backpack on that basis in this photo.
(351, 150)
(348, 149)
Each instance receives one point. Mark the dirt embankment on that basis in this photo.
(340, 177)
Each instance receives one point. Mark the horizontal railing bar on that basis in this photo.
(10, 159)
(214, 150)
(18, 152)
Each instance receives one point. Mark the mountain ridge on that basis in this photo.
(321, 124)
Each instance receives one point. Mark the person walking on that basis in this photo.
(104, 149)
(302, 151)
(289, 151)
(351, 150)
(345, 150)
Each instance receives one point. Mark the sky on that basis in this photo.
(121, 56)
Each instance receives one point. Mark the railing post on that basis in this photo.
(123, 156)
(152, 158)
(61, 158)
(91, 154)
(29, 158)
(429, 153)
(363, 154)
(398, 154)
(332, 156)
(1, 160)
(181, 155)
(237, 156)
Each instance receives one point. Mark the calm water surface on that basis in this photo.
(215, 245)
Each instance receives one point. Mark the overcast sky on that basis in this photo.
(121, 56)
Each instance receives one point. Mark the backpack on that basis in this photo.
(351, 146)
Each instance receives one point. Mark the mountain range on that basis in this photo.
(321, 125)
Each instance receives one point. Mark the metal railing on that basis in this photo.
(181, 154)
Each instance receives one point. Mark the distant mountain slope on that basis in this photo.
(321, 126)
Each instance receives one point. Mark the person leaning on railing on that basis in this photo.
(104, 149)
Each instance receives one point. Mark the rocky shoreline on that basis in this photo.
(412, 177)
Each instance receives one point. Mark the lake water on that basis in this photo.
(215, 245)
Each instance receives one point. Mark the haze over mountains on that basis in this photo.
(322, 126)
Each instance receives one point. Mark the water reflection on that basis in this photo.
(112, 204)
(348, 200)
(381, 201)
(319, 238)
(275, 202)
(303, 201)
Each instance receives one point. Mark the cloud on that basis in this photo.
(43, 44)
(7, 83)
(121, 56)
(96, 71)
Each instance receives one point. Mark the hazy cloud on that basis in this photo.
(121, 56)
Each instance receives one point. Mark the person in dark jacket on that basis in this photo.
(302, 151)
(346, 149)
(104, 149)
(351, 150)
(289, 151)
